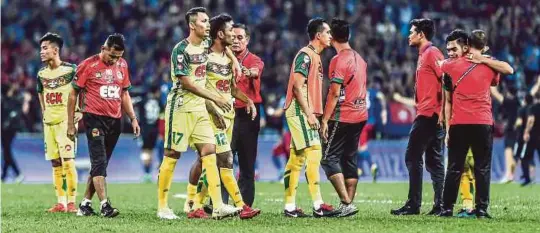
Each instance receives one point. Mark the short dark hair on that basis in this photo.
(217, 23)
(340, 30)
(116, 41)
(53, 38)
(478, 39)
(193, 12)
(461, 36)
(315, 25)
(424, 25)
(242, 26)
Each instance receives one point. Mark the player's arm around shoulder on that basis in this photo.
(498, 66)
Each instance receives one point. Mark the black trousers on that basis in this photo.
(102, 133)
(427, 137)
(244, 145)
(479, 138)
(531, 146)
(9, 162)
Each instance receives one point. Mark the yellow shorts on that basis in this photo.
(187, 128)
(57, 144)
(223, 136)
(302, 135)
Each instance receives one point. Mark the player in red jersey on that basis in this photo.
(102, 81)
(344, 116)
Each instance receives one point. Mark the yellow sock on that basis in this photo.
(58, 182)
(71, 179)
(465, 190)
(212, 179)
(191, 191)
(201, 192)
(166, 172)
(313, 163)
(292, 176)
(227, 177)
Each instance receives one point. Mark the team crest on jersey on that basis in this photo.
(220, 69)
(119, 75)
(198, 58)
(122, 64)
(68, 148)
(98, 75)
(95, 132)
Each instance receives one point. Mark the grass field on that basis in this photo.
(514, 209)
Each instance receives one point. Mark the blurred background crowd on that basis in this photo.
(152, 28)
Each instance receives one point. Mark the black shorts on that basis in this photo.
(510, 137)
(340, 150)
(149, 136)
(102, 133)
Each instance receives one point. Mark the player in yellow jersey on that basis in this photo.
(303, 104)
(186, 119)
(54, 86)
(220, 82)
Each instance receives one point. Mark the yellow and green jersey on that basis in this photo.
(55, 85)
(188, 60)
(220, 78)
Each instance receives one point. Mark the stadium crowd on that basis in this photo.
(153, 27)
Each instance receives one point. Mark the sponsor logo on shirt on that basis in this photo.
(109, 92)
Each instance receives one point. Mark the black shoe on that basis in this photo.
(325, 211)
(208, 209)
(108, 211)
(446, 213)
(297, 213)
(482, 214)
(435, 211)
(526, 182)
(406, 210)
(86, 210)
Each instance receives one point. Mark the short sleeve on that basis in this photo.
(496, 79)
(447, 82)
(256, 63)
(180, 61)
(259, 64)
(126, 84)
(338, 70)
(39, 85)
(435, 56)
(302, 64)
(79, 81)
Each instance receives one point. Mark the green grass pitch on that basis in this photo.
(514, 209)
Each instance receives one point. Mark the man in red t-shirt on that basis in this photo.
(345, 114)
(427, 133)
(102, 81)
(246, 129)
(471, 124)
